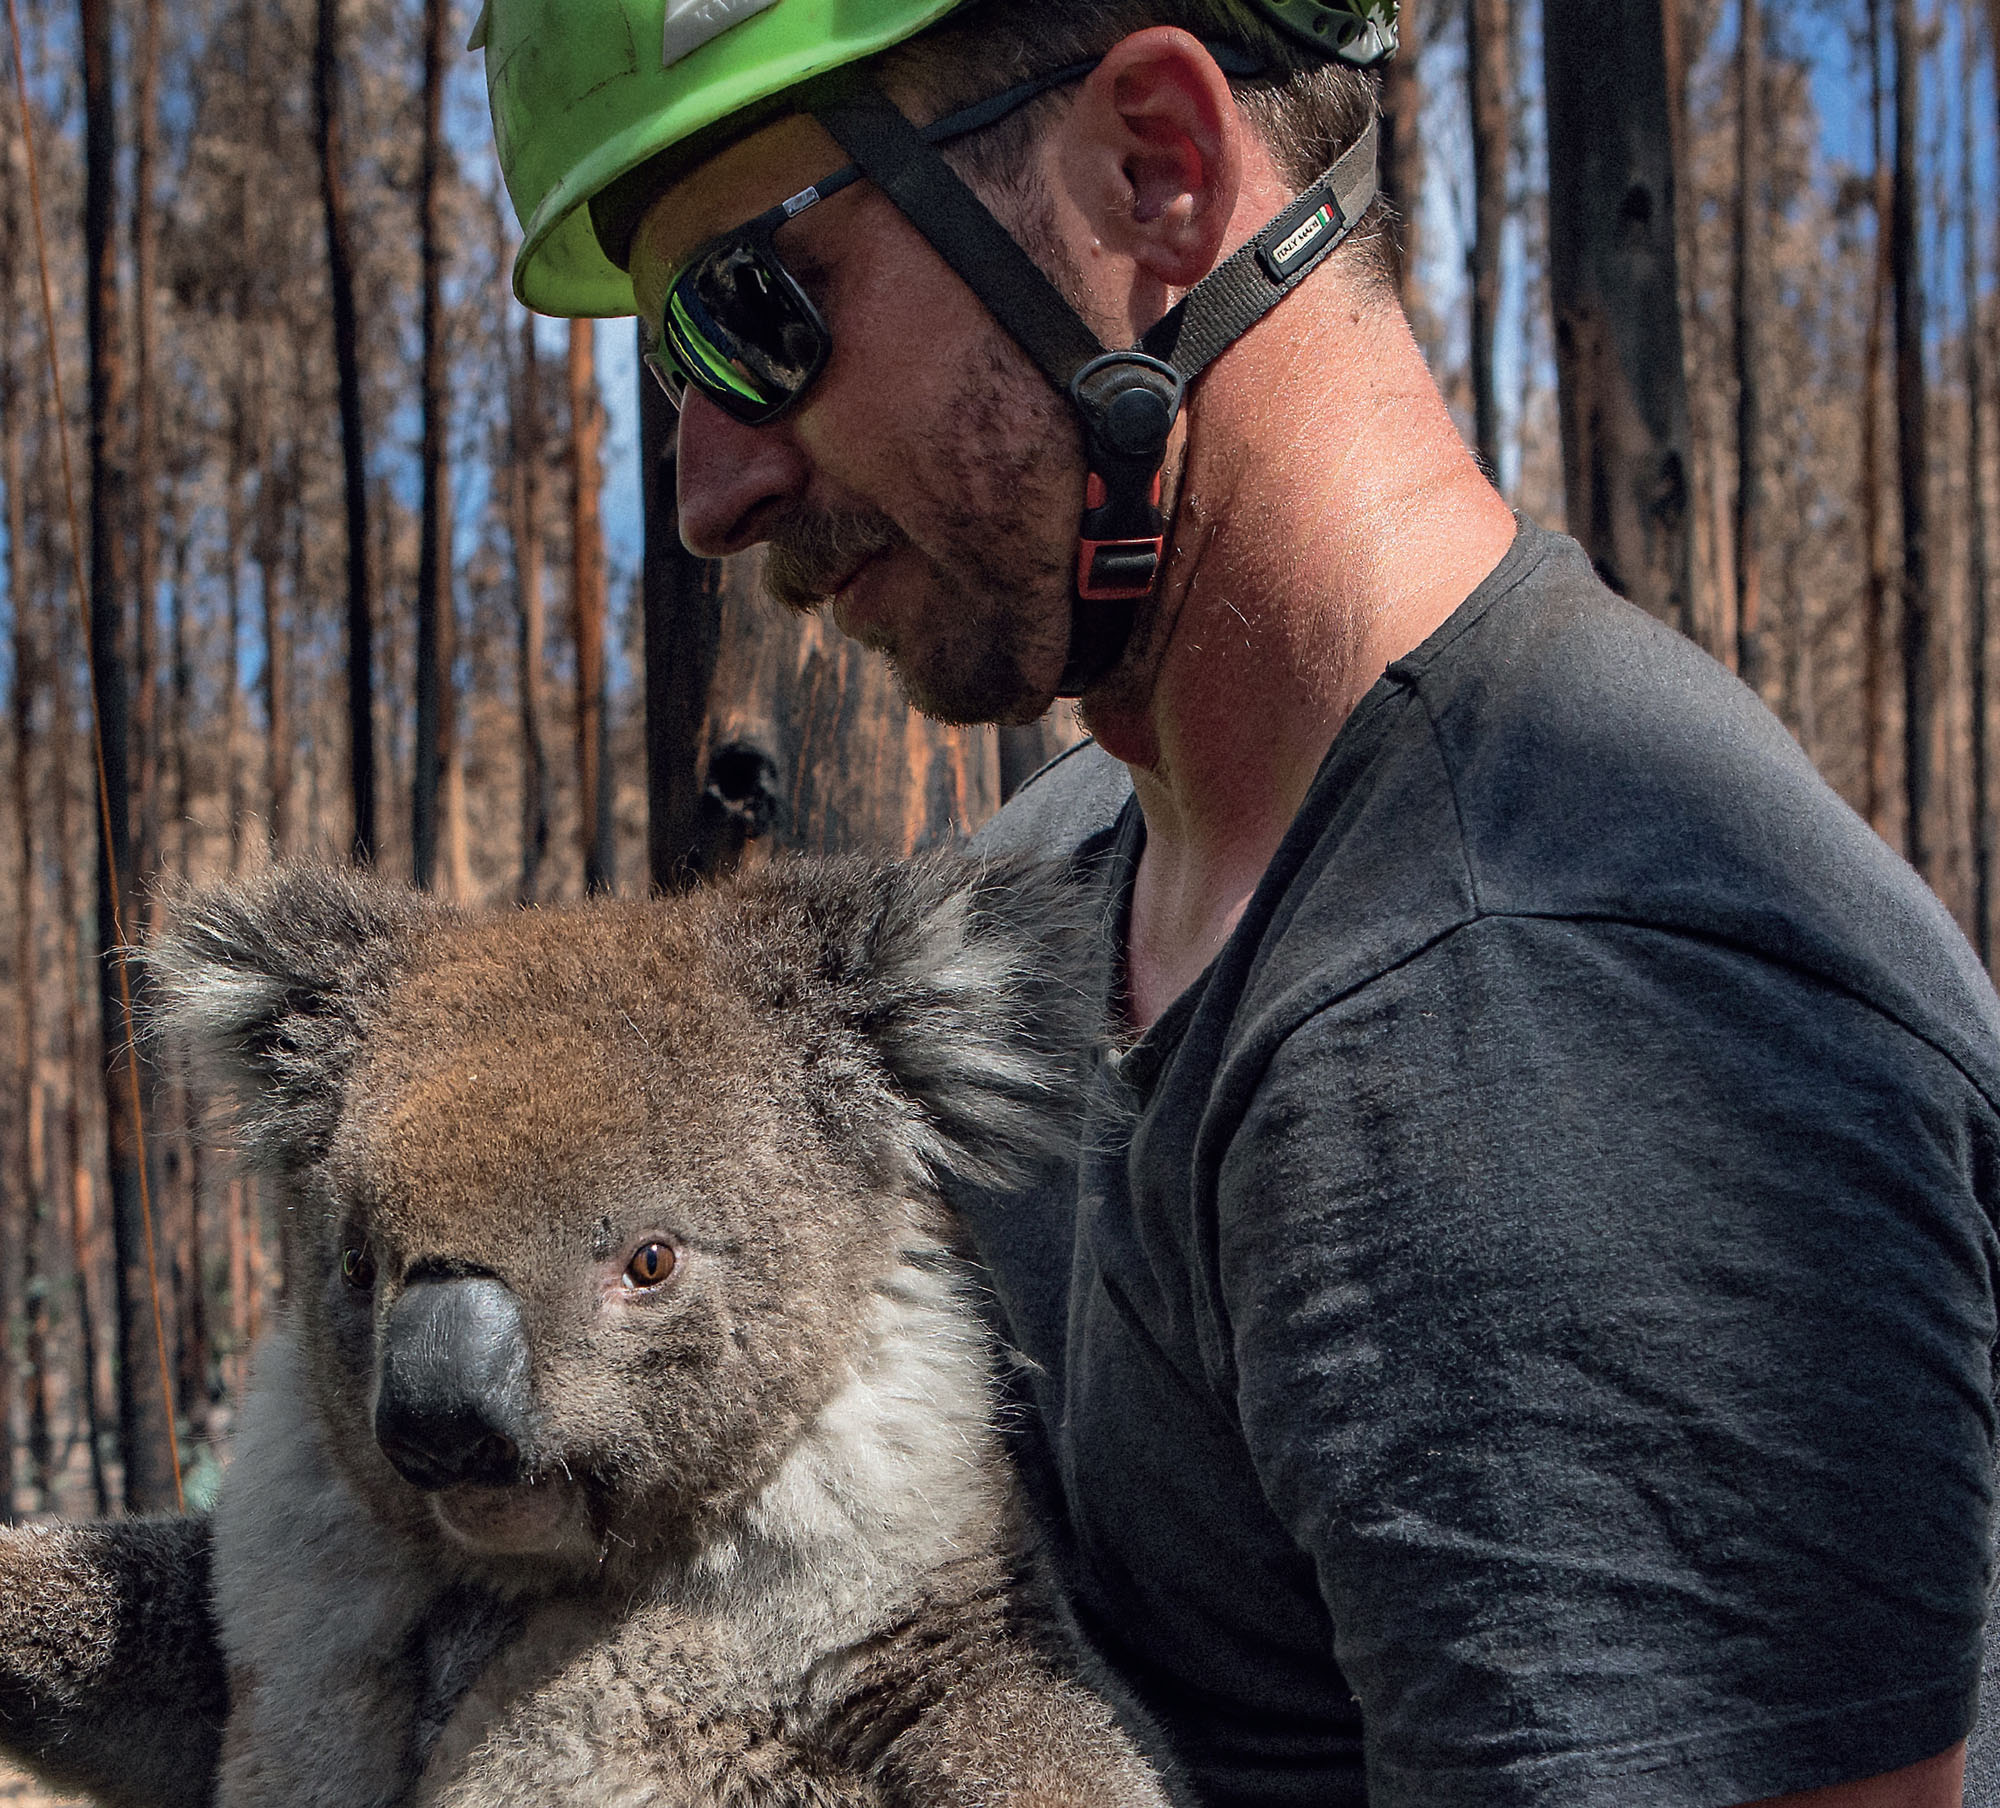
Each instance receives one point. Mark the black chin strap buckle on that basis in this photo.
(1128, 403)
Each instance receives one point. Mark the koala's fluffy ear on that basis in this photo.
(266, 983)
(970, 984)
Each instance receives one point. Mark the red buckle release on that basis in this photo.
(1116, 570)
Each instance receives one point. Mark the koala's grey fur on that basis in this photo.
(767, 1552)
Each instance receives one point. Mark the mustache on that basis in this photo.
(812, 551)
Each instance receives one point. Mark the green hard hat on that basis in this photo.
(585, 91)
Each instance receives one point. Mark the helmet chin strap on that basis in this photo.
(1126, 401)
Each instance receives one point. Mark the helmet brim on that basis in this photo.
(633, 118)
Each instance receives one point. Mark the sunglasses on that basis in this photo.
(740, 328)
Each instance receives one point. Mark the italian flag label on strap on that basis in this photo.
(1298, 235)
(693, 23)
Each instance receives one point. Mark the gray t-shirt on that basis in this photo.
(1521, 1330)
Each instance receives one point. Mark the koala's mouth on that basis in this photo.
(526, 1519)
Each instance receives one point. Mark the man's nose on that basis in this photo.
(734, 482)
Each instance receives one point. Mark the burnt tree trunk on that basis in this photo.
(193, 1368)
(1920, 710)
(1752, 289)
(191, 1374)
(1977, 568)
(682, 597)
(593, 729)
(811, 746)
(1714, 605)
(525, 499)
(85, 1071)
(327, 128)
(232, 580)
(28, 685)
(1489, 34)
(268, 549)
(1874, 522)
(1673, 45)
(145, 1435)
(1626, 443)
(145, 458)
(181, 719)
(435, 814)
(1403, 156)
(145, 505)
(27, 963)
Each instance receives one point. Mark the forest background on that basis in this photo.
(332, 549)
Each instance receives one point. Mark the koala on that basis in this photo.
(627, 1434)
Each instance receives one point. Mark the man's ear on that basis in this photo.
(268, 984)
(1157, 155)
(958, 992)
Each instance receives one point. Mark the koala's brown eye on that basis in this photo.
(357, 1268)
(651, 1266)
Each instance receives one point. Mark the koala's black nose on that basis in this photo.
(453, 1401)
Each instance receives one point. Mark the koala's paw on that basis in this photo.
(1029, 1740)
(110, 1677)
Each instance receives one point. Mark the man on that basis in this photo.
(1521, 1327)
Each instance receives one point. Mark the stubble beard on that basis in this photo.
(985, 488)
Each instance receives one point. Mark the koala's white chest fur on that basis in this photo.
(314, 1606)
(344, 1640)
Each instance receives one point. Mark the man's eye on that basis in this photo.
(357, 1267)
(652, 1265)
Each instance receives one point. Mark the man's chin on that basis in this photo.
(958, 683)
(988, 697)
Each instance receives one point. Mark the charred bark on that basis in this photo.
(434, 815)
(180, 725)
(232, 578)
(1713, 535)
(1874, 524)
(1977, 567)
(329, 140)
(1920, 711)
(812, 746)
(268, 548)
(593, 728)
(1752, 291)
(144, 1434)
(682, 598)
(1403, 156)
(27, 681)
(145, 458)
(1626, 445)
(525, 500)
(1489, 35)
(85, 1073)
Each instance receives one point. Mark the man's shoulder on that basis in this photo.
(1072, 802)
(1571, 758)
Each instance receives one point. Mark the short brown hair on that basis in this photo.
(1309, 111)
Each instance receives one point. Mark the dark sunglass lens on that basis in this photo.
(742, 331)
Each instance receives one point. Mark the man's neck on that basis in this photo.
(1316, 543)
